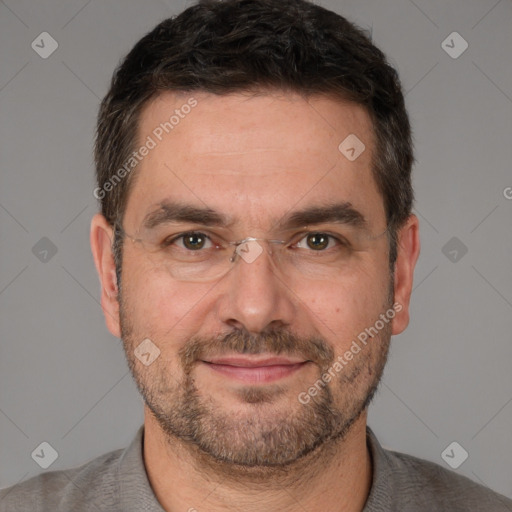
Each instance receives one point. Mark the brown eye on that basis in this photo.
(194, 241)
(317, 241)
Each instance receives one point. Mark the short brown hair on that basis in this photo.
(240, 45)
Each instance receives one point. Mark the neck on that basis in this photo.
(336, 476)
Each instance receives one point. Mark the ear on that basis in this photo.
(101, 246)
(408, 250)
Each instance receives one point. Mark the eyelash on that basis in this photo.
(341, 241)
(170, 240)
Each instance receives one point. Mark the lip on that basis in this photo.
(255, 371)
(249, 362)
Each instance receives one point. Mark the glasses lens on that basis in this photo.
(325, 255)
(187, 255)
(195, 255)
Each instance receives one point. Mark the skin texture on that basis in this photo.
(213, 442)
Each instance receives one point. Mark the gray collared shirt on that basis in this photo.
(118, 482)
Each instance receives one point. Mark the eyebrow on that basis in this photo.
(340, 213)
(175, 212)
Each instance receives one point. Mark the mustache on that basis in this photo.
(239, 341)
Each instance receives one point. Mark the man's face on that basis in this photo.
(255, 162)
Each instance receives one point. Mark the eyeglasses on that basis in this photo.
(200, 255)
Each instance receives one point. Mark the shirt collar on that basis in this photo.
(381, 491)
(135, 492)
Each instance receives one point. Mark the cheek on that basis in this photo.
(340, 310)
(159, 306)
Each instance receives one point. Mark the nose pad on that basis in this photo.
(248, 249)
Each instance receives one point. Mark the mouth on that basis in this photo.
(253, 370)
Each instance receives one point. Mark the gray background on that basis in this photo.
(63, 378)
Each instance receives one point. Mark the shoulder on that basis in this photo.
(411, 483)
(449, 489)
(64, 490)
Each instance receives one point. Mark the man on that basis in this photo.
(256, 251)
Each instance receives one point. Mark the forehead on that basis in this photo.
(253, 157)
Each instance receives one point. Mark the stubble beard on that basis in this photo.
(266, 437)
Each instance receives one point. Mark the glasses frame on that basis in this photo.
(118, 228)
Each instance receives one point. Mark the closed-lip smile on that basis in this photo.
(255, 370)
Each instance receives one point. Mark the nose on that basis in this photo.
(255, 297)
